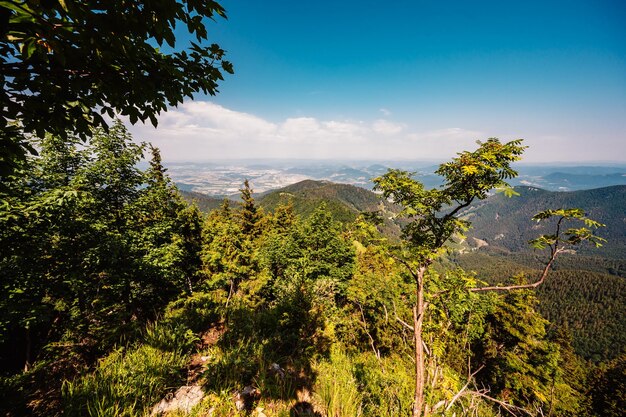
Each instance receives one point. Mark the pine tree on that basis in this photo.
(249, 214)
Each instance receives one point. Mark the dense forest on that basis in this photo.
(503, 222)
(116, 292)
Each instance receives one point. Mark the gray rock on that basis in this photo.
(184, 399)
(277, 370)
(245, 398)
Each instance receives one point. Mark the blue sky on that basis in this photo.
(410, 80)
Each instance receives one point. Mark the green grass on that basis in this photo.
(125, 383)
(336, 388)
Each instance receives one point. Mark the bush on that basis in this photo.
(197, 311)
(170, 336)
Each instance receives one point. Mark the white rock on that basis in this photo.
(184, 399)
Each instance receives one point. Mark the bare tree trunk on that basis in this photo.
(418, 318)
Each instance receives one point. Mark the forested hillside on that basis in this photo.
(123, 296)
(204, 202)
(589, 303)
(588, 289)
(597, 325)
(345, 202)
(505, 223)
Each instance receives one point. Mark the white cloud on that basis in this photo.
(201, 130)
(385, 112)
(203, 116)
(385, 127)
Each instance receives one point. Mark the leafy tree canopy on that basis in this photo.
(468, 177)
(66, 63)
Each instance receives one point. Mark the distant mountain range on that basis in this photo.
(571, 181)
(499, 224)
(223, 179)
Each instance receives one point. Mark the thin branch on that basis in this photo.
(407, 325)
(35, 15)
(508, 407)
(386, 314)
(462, 390)
(460, 393)
(408, 266)
(558, 231)
(230, 292)
(438, 294)
(457, 209)
(555, 251)
(376, 351)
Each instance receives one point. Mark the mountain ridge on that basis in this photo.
(505, 223)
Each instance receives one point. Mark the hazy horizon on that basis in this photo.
(252, 160)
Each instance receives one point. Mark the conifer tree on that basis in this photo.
(284, 217)
(249, 213)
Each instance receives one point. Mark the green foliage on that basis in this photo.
(345, 202)
(125, 383)
(195, 312)
(289, 283)
(570, 236)
(92, 248)
(473, 174)
(66, 63)
(297, 305)
(229, 256)
(456, 317)
(309, 266)
(171, 336)
(590, 304)
(374, 294)
(522, 365)
(468, 177)
(235, 365)
(609, 388)
(312, 251)
(386, 384)
(249, 215)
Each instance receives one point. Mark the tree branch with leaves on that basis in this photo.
(65, 64)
